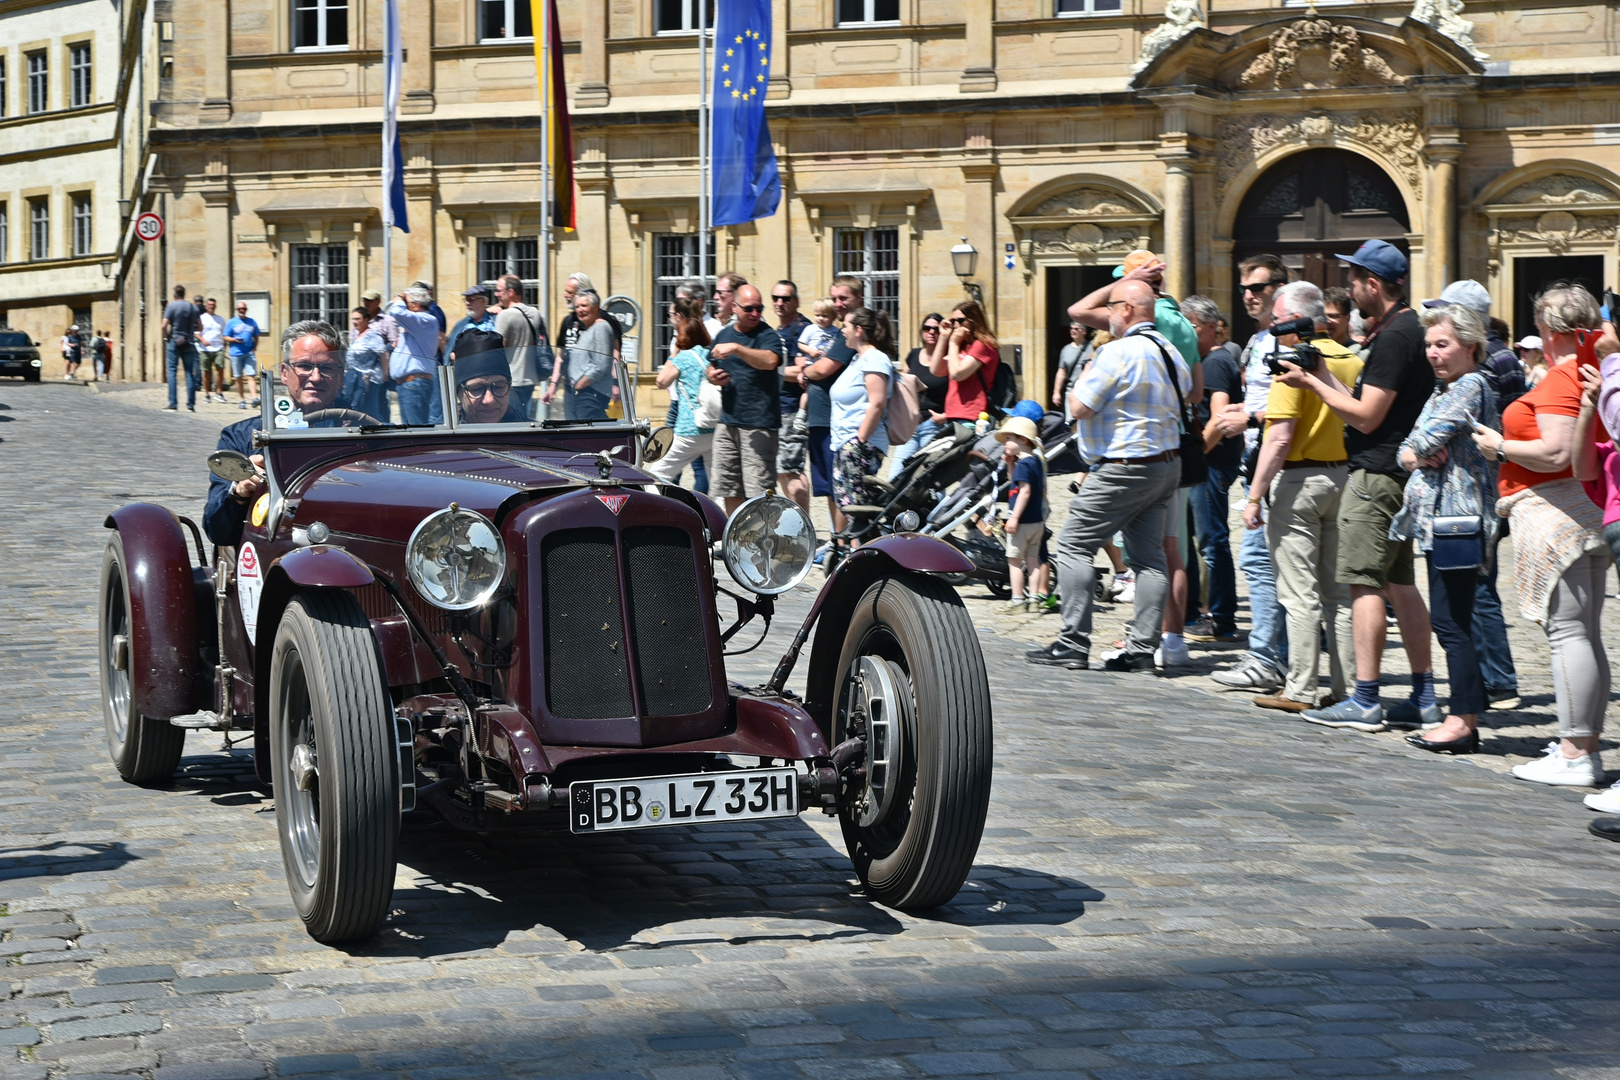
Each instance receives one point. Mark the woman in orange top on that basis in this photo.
(1560, 558)
(968, 353)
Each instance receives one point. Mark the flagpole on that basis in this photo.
(545, 165)
(387, 189)
(704, 163)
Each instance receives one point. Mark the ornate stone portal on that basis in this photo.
(1553, 215)
(1086, 223)
(1181, 17)
(1446, 17)
(1315, 54)
(1397, 137)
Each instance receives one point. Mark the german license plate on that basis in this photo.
(615, 805)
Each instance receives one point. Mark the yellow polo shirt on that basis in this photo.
(1318, 432)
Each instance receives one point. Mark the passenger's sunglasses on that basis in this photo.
(753, 309)
(499, 387)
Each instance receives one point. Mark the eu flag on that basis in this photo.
(743, 163)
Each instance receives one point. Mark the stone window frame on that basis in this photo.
(30, 54)
(5, 84)
(5, 230)
(688, 13)
(476, 250)
(663, 285)
(34, 201)
(1088, 9)
(867, 275)
(70, 87)
(871, 13)
(288, 12)
(85, 197)
(512, 7)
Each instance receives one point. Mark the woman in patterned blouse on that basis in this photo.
(1451, 477)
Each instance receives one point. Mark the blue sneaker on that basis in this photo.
(1348, 714)
(1407, 715)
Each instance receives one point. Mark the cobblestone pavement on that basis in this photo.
(1172, 884)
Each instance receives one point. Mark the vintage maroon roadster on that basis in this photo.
(513, 624)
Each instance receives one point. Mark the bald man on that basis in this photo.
(1128, 405)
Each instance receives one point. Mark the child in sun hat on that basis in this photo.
(1026, 502)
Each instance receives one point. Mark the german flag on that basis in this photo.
(559, 132)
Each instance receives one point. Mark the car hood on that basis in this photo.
(388, 493)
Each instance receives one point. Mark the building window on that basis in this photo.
(856, 12)
(79, 69)
(873, 255)
(1087, 7)
(38, 82)
(5, 232)
(497, 258)
(675, 261)
(320, 24)
(82, 238)
(680, 16)
(505, 20)
(4, 86)
(39, 229)
(320, 283)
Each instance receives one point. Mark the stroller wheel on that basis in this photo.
(1001, 590)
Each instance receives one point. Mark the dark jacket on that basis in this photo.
(224, 516)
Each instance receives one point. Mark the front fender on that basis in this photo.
(169, 607)
(323, 566)
(835, 607)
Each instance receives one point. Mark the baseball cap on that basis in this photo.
(1465, 293)
(1139, 257)
(1531, 342)
(371, 294)
(486, 291)
(1380, 258)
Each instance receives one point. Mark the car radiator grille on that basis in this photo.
(671, 658)
(587, 675)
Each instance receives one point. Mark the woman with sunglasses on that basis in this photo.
(968, 355)
(860, 397)
(683, 376)
(919, 363)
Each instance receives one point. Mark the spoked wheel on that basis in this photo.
(914, 688)
(143, 750)
(335, 770)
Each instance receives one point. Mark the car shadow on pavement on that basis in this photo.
(223, 776)
(1000, 895)
(62, 857)
(759, 884)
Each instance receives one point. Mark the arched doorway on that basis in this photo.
(1308, 207)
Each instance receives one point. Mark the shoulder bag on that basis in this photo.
(1194, 465)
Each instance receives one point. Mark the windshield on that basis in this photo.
(13, 338)
(367, 387)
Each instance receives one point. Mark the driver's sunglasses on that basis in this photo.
(305, 370)
(499, 387)
(752, 309)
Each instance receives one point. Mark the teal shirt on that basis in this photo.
(1169, 321)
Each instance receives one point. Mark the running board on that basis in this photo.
(203, 721)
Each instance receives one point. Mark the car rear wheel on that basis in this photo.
(334, 769)
(143, 750)
(914, 687)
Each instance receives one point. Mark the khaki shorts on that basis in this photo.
(743, 462)
(1367, 556)
(1024, 545)
(212, 358)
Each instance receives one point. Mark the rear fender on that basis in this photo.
(835, 607)
(170, 615)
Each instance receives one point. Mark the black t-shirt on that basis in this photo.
(1396, 362)
(820, 390)
(751, 398)
(791, 355)
(933, 385)
(1222, 375)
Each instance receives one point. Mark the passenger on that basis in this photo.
(313, 374)
(484, 380)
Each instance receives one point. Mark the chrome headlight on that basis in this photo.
(455, 559)
(769, 545)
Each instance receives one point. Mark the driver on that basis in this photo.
(484, 380)
(313, 374)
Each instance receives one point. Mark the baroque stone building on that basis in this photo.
(1054, 135)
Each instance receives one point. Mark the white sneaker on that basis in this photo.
(1554, 768)
(1171, 653)
(1605, 802)
(1249, 675)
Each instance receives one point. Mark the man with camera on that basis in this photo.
(1379, 410)
(1302, 468)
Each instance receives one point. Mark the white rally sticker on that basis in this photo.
(249, 585)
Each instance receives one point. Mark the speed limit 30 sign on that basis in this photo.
(148, 226)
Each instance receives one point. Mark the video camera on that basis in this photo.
(1304, 355)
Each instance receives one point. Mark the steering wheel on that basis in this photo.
(342, 414)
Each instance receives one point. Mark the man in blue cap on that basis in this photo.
(1378, 413)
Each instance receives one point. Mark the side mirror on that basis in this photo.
(231, 466)
(657, 445)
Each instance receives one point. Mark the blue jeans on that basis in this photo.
(925, 433)
(1268, 627)
(416, 400)
(587, 404)
(1210, 503)
(1490, 636)
(187, 354)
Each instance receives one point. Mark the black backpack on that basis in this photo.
(1000, 394)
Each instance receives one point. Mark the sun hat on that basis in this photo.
(1023, 427)
(1531, 342)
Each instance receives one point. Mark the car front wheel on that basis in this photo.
(334, 770)
(144, 750)
(914, 688)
